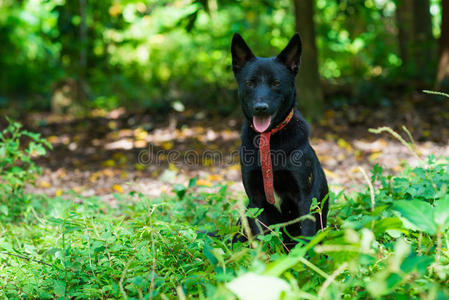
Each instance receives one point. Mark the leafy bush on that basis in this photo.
(17, 168)
(388, 240)
(146, 248)
(150, 53)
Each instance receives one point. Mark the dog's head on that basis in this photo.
(266, 86)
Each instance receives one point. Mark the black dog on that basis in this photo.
(267, 91)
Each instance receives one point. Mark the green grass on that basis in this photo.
(391, 243)
(151, 247)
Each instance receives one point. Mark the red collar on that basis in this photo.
(265, 158)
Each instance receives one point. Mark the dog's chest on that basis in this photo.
(286, 189)
(285, 183)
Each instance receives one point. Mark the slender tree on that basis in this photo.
(417, 46)
(82, 86)
(310, 94)
(443, 64)
(425, 44)
(404, 20)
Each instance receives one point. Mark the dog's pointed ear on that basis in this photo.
(241, 53)
(291, 55)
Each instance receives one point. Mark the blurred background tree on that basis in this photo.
(415, 37)
(443, 65)
(309, 86)
(146, 54)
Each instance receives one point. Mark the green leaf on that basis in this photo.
(253, 212)
(4, 209)
(59, 287)
(2, 152)
(385, 224)
(418, 213)
(208, 252)
(279, 266)
(40, 150)
(192, 182)
(138, 281)
(180, 190)
(35, 148)
(418, 263)
(32, 135)
(55, 220)
(253, 286)
(441, 212)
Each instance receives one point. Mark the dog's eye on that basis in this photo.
(249, 83)
(276, 83)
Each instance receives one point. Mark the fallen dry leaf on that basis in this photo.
(44, 184)
(117, 188)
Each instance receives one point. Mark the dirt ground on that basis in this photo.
(117, 152)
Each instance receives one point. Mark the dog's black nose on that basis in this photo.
(260, 107)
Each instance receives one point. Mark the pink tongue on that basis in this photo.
(261, 123)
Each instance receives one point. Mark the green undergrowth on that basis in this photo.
(389, 240)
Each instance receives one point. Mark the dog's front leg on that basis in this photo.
(309, 190)
(308, 226)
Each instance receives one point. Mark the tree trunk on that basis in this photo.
(82, 82)
(310, 94)
(424, 43)
(404, 20)
(416, 42)
(443, 65)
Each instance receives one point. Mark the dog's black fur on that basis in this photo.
(267, 86)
